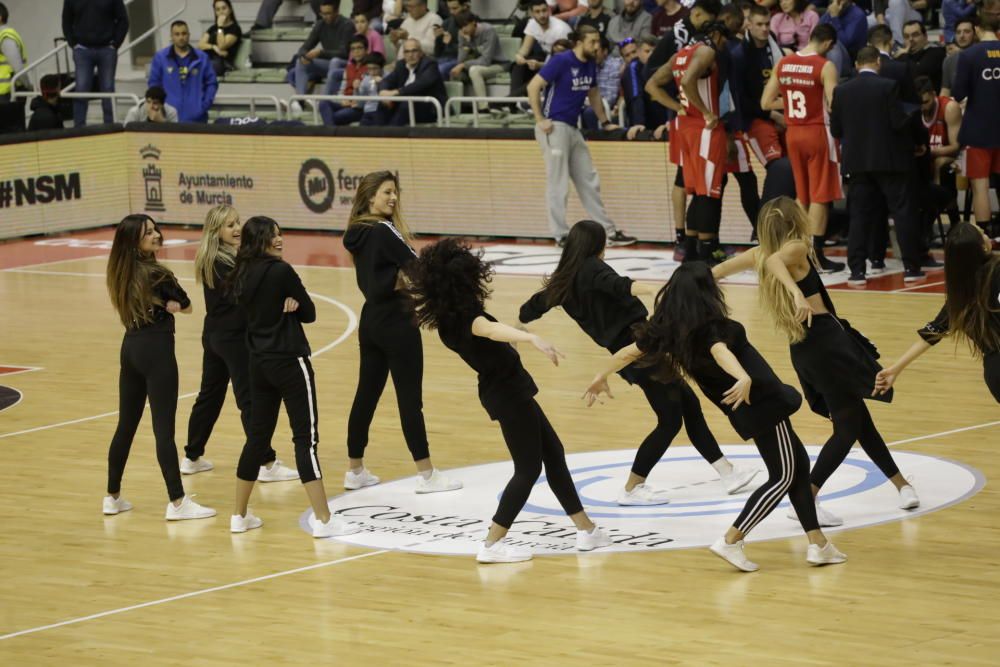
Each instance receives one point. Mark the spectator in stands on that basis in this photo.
(372, 11)
(540, 34)
(900, 71)
(363, 26)
(345, 112)
(897, 13)
(794, 23)
(13, 58)
(153, 109)
(324, 53)
(927, 59)
(45, 111)
(268, 8)
(851, 24)
(415, 75)
(595, 17)
(965, 36)
(420, 24)
(609, 78)
(186, 74)
(392, 14)
(480, 58)
(446, 38)
(668, 14)
(94, 29)
(569, 11)
(560, 46)
(633, 22)
(222, 40)
(364, 113)
(954, 11)
(640, 113)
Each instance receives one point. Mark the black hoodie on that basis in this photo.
(271, 332)
(379, 253)
(221, 312)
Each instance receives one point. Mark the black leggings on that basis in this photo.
(673, 404)
(272, 381)
(749, 195)
(394, 347)
(532, 442)
(787, 472)
(991, 374)
(148, 369)
(852, 424)
(224, 357)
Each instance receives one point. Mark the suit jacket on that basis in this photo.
(428, 80)
(876, 134)
(900, 71)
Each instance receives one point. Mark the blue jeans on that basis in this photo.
(105, 59)
(337, 114)
(333, 70)
(445, 66)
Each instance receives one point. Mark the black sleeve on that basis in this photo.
(293, 287)
(393, 247)
(168, 289)
(424, 80)
(601, 277)
(534, 308)
(121, 23)
(936, 329)
(67, 22)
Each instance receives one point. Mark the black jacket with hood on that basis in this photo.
(271, 332)
(379, 253)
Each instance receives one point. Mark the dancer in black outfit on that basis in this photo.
(146, 295)
(605, 305)
(379, 242)
(276, 305)
(971, 312)
(224, 349)
(690, 333)
(835, 364)
(450, 288)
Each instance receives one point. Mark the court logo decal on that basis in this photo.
(9, 397)
(392, 516)
(152, 177)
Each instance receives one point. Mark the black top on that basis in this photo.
(502, 378)
(221, 311)
(601, 302)
(333, 38)
(427, 80)
(271, 332)
(44, 116)
(165, 288)
(231, 29)
(771, 401)
(94, 23)
(812, 283)
(379, 253)
(449, 50)
(936, 329)
(600, 24)
(928, 62)
(900, 71)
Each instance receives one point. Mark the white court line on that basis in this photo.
(916, 287)
(943, 433)
(24, 369)
(182, 596)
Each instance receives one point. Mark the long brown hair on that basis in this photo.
(132, 274)
(361, 208)
(211, 247)
(586, 239)
(970, 272)
(781, 221)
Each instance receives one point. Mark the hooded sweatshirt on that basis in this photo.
(379, 253)
(271, 332)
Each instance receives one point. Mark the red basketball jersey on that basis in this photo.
(937, 127)
(801, 82)
(708, 86)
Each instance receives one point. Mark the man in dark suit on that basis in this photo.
(900, 71)
(878, 147)
(416, 75)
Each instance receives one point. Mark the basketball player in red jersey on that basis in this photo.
(935, 111)
(803, 86)
(701, 139)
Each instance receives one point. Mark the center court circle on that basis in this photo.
(392, 516)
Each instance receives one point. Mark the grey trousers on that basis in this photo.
(268, 8)
(567, 157)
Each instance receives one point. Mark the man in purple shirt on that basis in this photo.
(569, 78)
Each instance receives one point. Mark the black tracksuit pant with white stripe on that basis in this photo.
(788, 472)
(274, 380)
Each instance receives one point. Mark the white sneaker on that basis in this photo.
(335, 527)
(436, 483)
(277, 473)
(295, 108)
(908, 498)
(188, 509)
(590, 540)
(117, 505)
(643, 494)
(827, 555)
(359, 480)
(501, 553)
(241, 524)
(738, 478)
(825, 517)
(733, 554)
(189, 467)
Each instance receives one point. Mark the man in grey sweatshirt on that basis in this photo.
(633, 22)
(479, 55)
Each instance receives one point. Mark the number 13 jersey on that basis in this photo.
(801, 83)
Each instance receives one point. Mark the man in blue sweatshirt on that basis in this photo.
(186, 74)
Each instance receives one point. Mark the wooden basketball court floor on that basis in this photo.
(81, 588)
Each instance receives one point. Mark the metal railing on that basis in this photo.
(253, 101)
(31, 67)
(314, 101)
(458, 101)
(114, 97)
